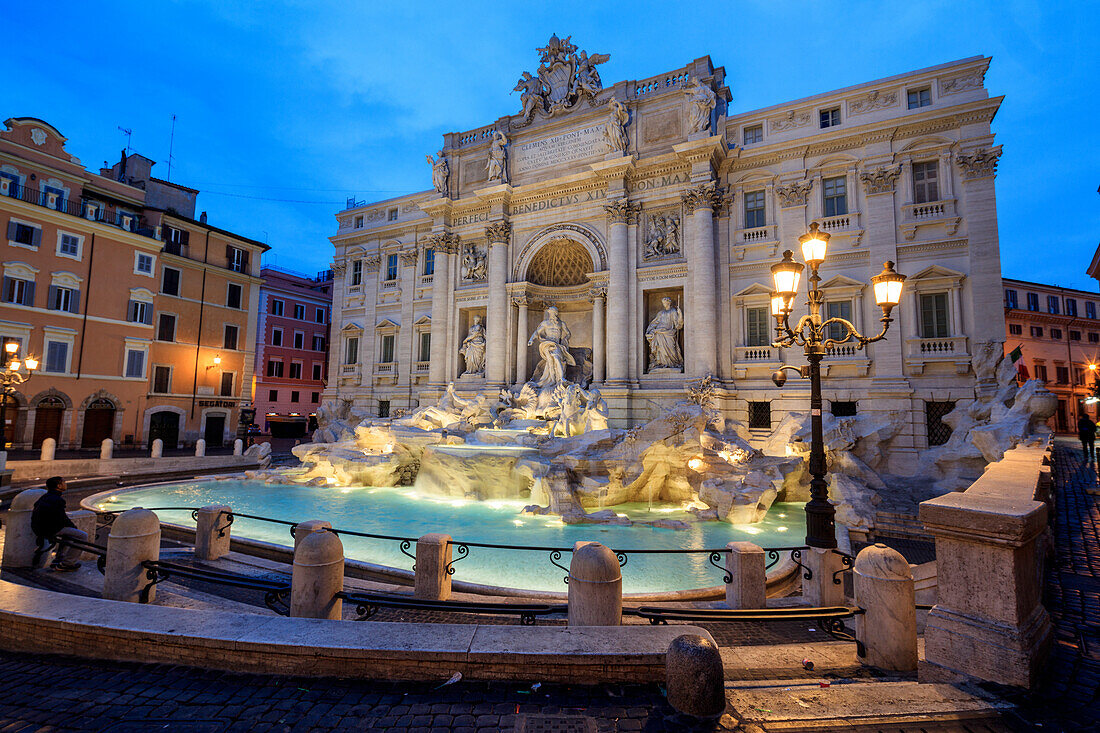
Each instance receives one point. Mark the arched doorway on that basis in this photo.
(99, 422)
(166, 426)
(48, 415)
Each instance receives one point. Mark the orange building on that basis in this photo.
(143, 318)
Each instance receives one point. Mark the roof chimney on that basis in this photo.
(202, 218)
(122, 166)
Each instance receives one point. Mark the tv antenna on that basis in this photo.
(128, 133)
(171, 145)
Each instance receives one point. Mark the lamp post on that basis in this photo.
(10, 376)
(810, 332)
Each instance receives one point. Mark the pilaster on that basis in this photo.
(496, 327)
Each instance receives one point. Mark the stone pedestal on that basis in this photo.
(433, 554)
(888, 626)
(308, 527)
(49, 447)
(19, 541)
(748, 586)
(694, 677)
(595, 586)
(200, 447)
(238, 447)
(212, 532)
(156, 450)
(106, 449)
(820, 590)
(317, 577)
(134, 539)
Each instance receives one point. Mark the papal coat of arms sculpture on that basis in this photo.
(565, 77)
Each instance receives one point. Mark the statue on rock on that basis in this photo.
(701, 100)
(663, 335)
(473, 348)
(440, 173)
(553, 344)
(497, 165)
(614, 132)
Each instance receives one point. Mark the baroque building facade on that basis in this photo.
(648, 213)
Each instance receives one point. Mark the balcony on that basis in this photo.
(83, 209)
(951, 349)
(756, 353)
(426, 279)
(931, 212)
(388, 285)
(422, 367)
(349, 374)
(757, 235)
(386, 369)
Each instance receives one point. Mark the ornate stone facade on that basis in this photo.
(693, 210)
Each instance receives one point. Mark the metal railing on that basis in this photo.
(76, 207)
(368, 604)
(90, 547)
(275, 592)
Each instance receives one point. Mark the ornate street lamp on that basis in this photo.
(10, 376)
(810, 332)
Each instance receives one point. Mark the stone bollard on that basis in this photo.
(3, 459)
(748, 586)
(694, 677)
(19, 540)
(200, 448)
(317, 577)
(157, 449)
(49, 447)
(238, 447)
(308, 527)
(595, 586)
(212, 532)
(433, 554)
(134, 539)
(106, 449)
(888, 626)
(820, 590)
(85, 521)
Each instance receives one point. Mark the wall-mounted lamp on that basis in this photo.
(217, 363)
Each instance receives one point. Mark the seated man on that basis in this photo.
(49, 522)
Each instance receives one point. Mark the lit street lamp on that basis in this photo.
(10, 376)
(810, 332)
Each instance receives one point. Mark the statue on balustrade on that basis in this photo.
(473, 348)
(553, 344)
(614, 132)
(663, 335)
(701, 100)
(440, 173)
(497, 165)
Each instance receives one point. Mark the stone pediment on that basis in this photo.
(351, 327)
(423, 321)
(933, 272)
(386, 324)
(754, 289)
(842, 281)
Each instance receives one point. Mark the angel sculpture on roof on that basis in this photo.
(533, 96)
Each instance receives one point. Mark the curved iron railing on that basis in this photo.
(368, 604)
(90, 547)
(275, 592)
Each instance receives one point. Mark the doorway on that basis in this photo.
(48, 415)
(215, 430)
(99, 423)
(166, 426)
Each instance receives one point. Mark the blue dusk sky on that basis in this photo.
(286, 109)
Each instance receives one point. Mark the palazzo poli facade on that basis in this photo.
(638, 207)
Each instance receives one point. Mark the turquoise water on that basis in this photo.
(403, 512)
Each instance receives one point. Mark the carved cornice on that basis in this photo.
(444, 242)
(794, 194)
(408, 259)
(790, 121)
(873, 101)
(622, 212)
(880, 180)
(706, 196)
(962, 83)
(980, 163)
(498, 232)
(372, 262)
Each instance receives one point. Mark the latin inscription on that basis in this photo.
(558, 202)
(644, 184)
(568, 147)
(470, 219)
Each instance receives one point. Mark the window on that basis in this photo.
(317, 376)
(838, 309)
(315, 397)
(143, 263)
(919, 97)
(1052, 304)
(276, 337)
(357, 272)
(319, 315)
(236, 259)
(274, 368)
(175, 240)
(925, 182)
(843, 409)
(318, 343)
(229, 339)
(753, 134)
(829, 117)
(233, 296)
(933, 316)
(276, 307)
(1090, 310)
(351, 351)
(1011, 299)
(1056, 334)
(299, 340)
(1032, 301)
(17, 290)
(359, 222)
(294, 396)
(299, 311)
(429, 261)
(295, 370)
(273, 395)
(135, 363)
(139, 311)
(835, 194)
(1071, 307)
(936, 429)
(754, 209)
(170, 284)
(68, 245)
(24, 234)
(1015, 329)
(760, 415)
(391, 215)
(57, 357)
(383, 408)
(1094, 337)
(1074, 335)
(166, 327)
(162, 379)
(1041, 372)
(1061, 374)
(227, 384)
(1036, 332)
(1078, 375)
(426, 346)
(756, 327)
(13, 183)
(391, 267)
(63, 299)
(387, 348)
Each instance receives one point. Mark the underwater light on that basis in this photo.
(696, 464)
(517, 522)
(780, 529)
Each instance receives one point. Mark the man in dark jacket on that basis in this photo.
(1086, 431)
(50, 522)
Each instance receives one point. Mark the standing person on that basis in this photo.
(1086, 431)
(50, 522)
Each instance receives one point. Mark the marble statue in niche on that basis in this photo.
(553, 337)
(497, 165)
(663, 335)
(474, 263)
(701, 100)
(473, 348)
(440, 173)
(614, 131)
(663, 238)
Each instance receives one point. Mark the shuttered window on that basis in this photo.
(57, 356)
(17, 290)
(166, 327)
(933, 316)
(138, 311)
(63, 299)
(135, 363)
(25, 234)
(230, 340)
(233, 296)
(170, 285)
(236, 258)
(756, 327)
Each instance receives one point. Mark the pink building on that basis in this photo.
(292, 350)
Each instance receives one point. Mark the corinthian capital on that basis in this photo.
(339, 267)
(880, 180)
(706, 196)
(794, 194)
(499, 232)
(373, 262)
(444, 242)
(979, 163)
(622, 212)
(408, 259)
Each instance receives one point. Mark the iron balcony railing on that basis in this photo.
(79, 208)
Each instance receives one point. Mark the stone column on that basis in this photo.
(19, 540)
(336, 323)
(496, 326)
(444, 245)
(212, 532)
(433, 555)
(700, 204)
(595, 586)
(888, 626)
(979, 168)
(317, 577)
(521, 340)
(820, 590)
(619, 215)
(599, 339)
(881, 236)
(134, 539)
(748, 576)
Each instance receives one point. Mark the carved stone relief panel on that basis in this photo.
(662, 235)
(474, 265)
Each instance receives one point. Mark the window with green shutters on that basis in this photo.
(757, 331)
(933, 316)
(838, 309)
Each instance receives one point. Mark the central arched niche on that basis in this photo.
(561, 262)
